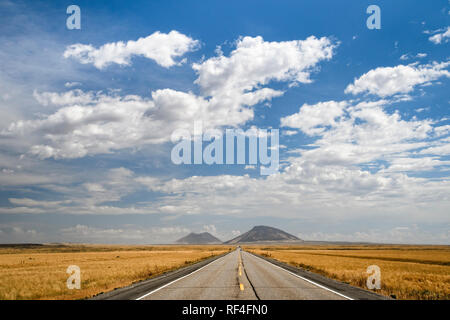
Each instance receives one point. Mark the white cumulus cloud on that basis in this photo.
(256, 62)
(388, 81)
(313, 119)
(163, 48)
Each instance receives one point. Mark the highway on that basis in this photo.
(240, 275)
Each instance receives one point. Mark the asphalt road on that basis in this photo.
(240, 275)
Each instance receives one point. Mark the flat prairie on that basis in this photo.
(407, 272)
(39, 271)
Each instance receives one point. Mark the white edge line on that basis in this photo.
(168, 284)
(312, 282)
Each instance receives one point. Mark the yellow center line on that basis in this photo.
(240, 264)
(241, 286)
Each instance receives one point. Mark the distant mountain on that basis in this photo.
(198, 238)
(263, 233)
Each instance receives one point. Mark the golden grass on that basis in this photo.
(40, 272)
(407, 272)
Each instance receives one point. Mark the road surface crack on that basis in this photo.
(249, 281)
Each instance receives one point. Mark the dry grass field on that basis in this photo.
(39, 272)
(407, 272)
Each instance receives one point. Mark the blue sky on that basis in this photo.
(86, 119)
